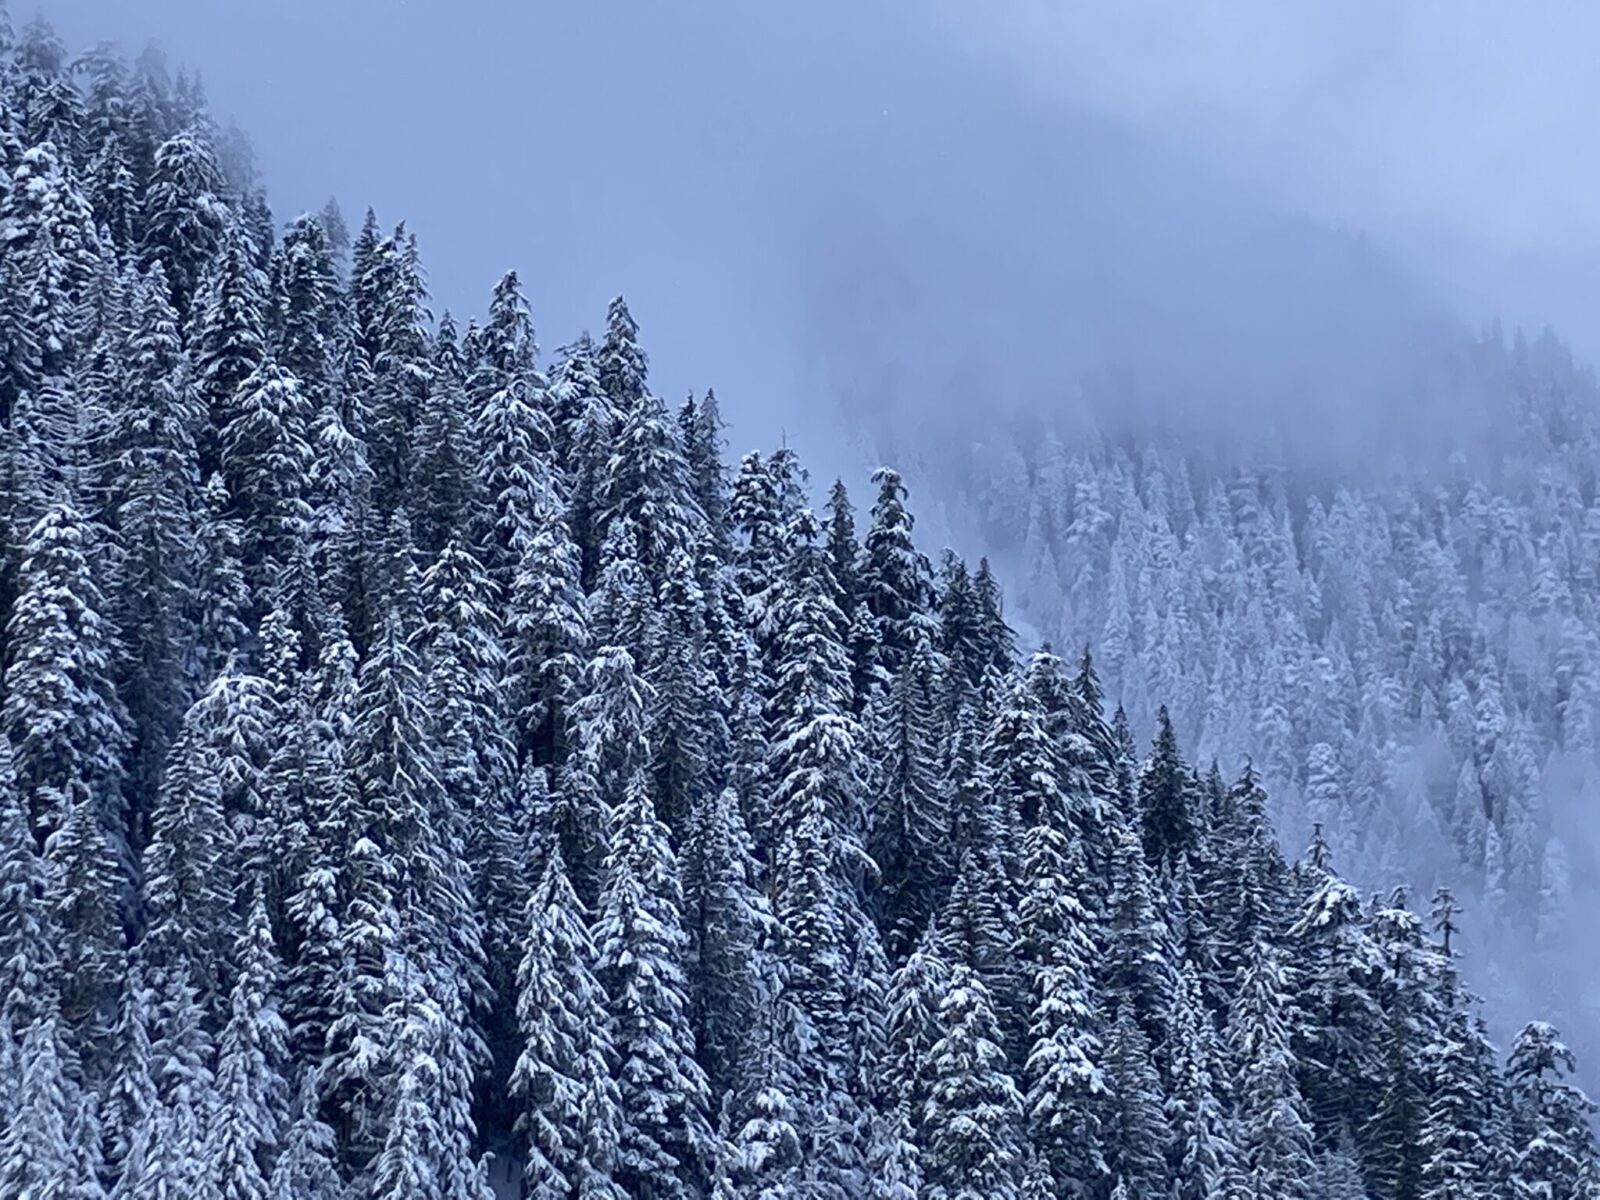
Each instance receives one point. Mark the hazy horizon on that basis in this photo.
(933, 198)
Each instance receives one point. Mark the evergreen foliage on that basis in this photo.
(412, 762)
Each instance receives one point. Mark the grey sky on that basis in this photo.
(915, 204)
(1460, 131)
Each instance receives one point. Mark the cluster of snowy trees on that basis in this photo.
(1412, 656)
(412, 758)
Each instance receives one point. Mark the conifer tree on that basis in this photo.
(306, 1167)
(562, 1074)
(1202, 1153)
(158, 492)
(513, 437)
(894, 1168)
(816, 751)
(1136, 1137)
(37, 1157)
(52, 256)
(621, 362)
(65, 721)
(266, 463)
(664, 1135)
(701, 427)
(253, 1098)
(1274, 1134)
(1458, 1158)
(180, 1121)
(647, 483)
(978, 929)
(754, 511)
(27, 938)
(1393, 1157)
(974, 1111)
(1136, 963)
(731, 927)
(896, 583)
(184, 219)
(227, 340)
(1336, 1025)
(442, 498)
(765, 1158)
(388, 299)
(305, 297)
(915, 992)
(186, 886)
(911, 826)
(1551, 1118)
(586, 426)
(1065, 1087)
(221, 595)
(1022, 764)
(816, 943)
(684, 722)
(84, 912)
(548, 632)
(1164, 799)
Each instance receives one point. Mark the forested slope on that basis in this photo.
(1406, 645)
(415, 754)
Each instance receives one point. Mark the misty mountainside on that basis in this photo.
(1262, 469)
(1404, 642)
(428, 770)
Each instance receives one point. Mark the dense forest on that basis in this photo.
(1409, 650)
(428, 774)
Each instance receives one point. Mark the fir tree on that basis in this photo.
(1136, 1136)
(513, 437)
(228, 341)
(186, 887)
(305, 296)
(1202, 1153)
(911, 826)
(1337, 1024)
(61, 713)
(1066, 1090)
(27, 939)
(974, 1111)
(896, 583)
(548, 630)
(253, 1097)
(1274, 1134)
(621, 363)
(1551, 1118)
(37, 1156)
(731, 925)
(306, 1167)
(663, 1130)
(157, 497)
(184, 218)
(266, 462)
(683, 722)
(1164, 799)
(562, 1075)
(444, 456)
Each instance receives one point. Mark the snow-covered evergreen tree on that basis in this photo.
(664, 1132)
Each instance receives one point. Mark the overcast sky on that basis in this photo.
(784, 190)
(1459, 131)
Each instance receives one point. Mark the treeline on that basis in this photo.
(413, 758)
(1412, 654)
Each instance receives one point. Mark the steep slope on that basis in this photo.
(1377, 581)
(409, 757)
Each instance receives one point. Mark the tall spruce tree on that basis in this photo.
(568, 1099)
(664, 1133)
